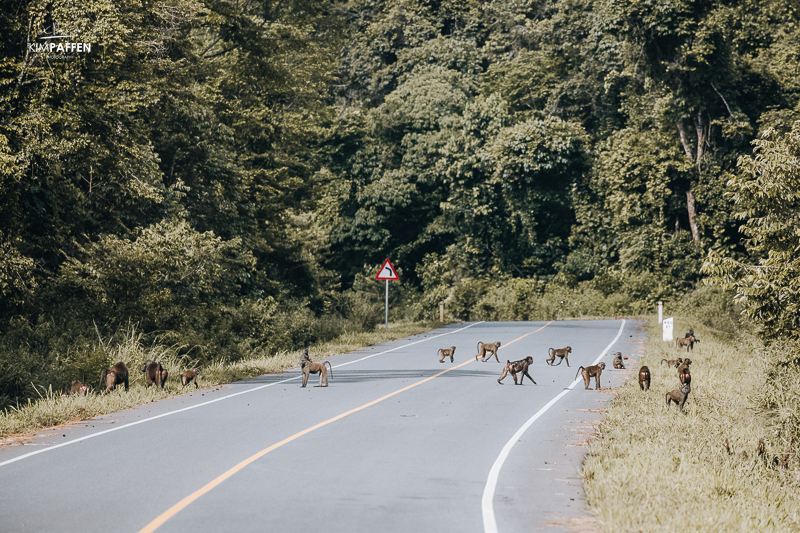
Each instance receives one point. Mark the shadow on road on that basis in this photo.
(359, 376)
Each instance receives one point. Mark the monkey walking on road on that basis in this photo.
(589, 372)
(484, 351)
(446, 352)
(520, 366)
(562, 353)
(307, 366)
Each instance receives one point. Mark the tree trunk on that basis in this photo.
(700, 126)
(701, 139)
(684, 142)
(692, 223)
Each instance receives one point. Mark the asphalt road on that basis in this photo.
(398, 442)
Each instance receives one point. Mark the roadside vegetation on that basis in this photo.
(654, 469)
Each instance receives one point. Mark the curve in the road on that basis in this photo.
(487, 501)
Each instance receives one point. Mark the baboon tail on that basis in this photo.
(329, 366)
(479, 346)
(550, 351)
(579, 371)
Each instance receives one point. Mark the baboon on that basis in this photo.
(761, 449)
(520, 366)
(589, 372)
(678, 396)
(563, 353)
(673, 362)
(111, 377)
(76, 387)
(783, 460)
(683, 372)
(618, 361)
(644, 378)
(154, 373)
(688, 342)
(446, 352)
(484, 349)
(190, 376)
(309, 367)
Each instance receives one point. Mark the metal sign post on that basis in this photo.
(387, 272)
(660, 312)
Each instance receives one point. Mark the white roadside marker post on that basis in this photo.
(667, 329)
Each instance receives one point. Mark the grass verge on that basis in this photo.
(654, 469)
(51, 409)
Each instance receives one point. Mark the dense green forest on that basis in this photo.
(227, 175)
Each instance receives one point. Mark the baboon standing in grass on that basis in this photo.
(644, 378)
(111, 377)
(154, 373)
(190, 376)
(678, 396)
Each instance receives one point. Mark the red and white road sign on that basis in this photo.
(387, 271)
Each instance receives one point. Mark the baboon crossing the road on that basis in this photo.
(589, 372)
(485, 349)
(520, 366)
(563, 353)
(307, 366)
(446, 352)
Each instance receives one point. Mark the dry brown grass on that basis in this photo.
(654, 469)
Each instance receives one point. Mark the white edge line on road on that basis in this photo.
(487, 501)
(124, 426)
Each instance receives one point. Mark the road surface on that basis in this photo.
(398, 442)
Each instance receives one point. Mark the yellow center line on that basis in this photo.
(181, 505)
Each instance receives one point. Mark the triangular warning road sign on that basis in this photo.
(387, 271)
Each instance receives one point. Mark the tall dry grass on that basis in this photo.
(654, 469)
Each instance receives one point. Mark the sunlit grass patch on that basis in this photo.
(51, 409)
(654, 469)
